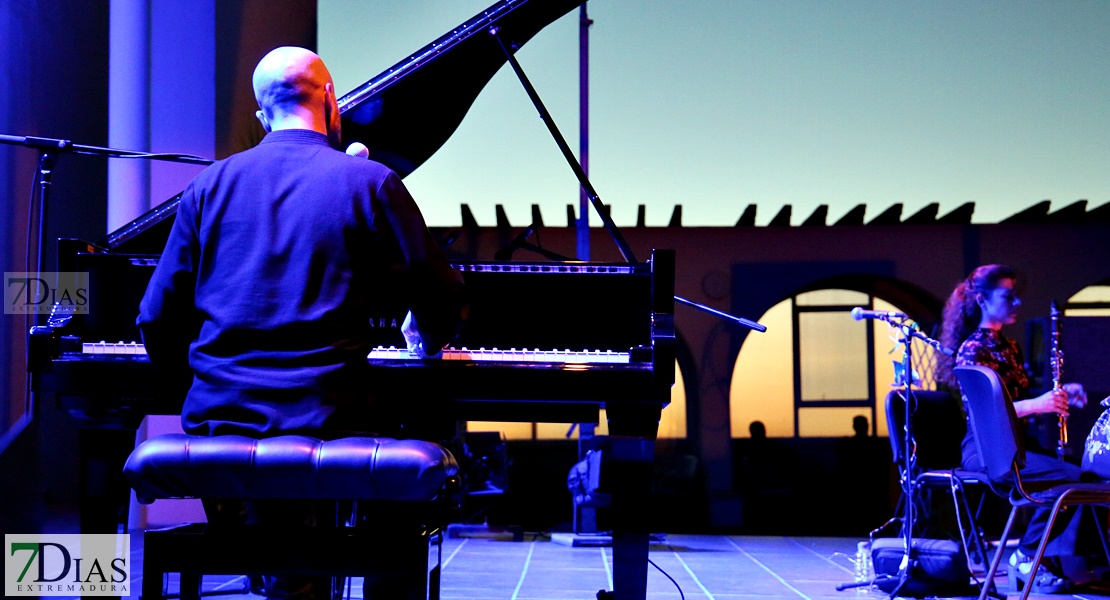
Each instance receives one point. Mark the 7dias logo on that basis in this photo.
(46, 293)
(67, 564)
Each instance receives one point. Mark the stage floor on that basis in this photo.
(705, 567)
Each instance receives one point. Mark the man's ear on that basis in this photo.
(331, 102)
(262, 119)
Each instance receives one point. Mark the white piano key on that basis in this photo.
(524, 355)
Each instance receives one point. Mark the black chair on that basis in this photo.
(403, 488)
(995, 428)
(938, 429)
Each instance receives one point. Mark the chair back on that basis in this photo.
(938, 428)
(993, 422)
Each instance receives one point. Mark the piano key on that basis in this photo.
(454, 354)
(512, 355)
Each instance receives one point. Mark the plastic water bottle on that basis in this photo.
(865, 572)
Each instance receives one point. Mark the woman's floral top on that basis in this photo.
(989, 348)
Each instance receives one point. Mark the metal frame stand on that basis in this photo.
(908, 467)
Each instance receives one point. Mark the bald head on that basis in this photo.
(294, 90)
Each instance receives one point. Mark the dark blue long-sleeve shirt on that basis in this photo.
(266, 282)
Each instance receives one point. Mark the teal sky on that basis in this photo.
(717, 104)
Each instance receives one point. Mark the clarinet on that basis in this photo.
(1057, 361)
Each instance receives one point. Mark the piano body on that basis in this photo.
(549, 341)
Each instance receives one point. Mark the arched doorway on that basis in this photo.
(1091, 301)
(822, 369)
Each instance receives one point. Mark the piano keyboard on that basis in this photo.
(126, 348)
(533, 355)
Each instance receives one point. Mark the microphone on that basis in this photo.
(358, 149)
(506, 253)
(859, 314)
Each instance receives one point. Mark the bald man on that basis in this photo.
(263, 291)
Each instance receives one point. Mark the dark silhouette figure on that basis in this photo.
(861, 426)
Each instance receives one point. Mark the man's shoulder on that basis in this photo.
(312, 161)
(365, 165)
(364, 172)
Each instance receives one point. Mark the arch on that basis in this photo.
(917, 302)
(1091, 301)
(782, 280)
(771, 369)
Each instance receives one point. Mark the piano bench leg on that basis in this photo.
(190, 586)
(153, 580)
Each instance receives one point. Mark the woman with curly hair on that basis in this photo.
(973, 319)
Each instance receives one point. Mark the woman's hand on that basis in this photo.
(1052, 401)
(1077, 396)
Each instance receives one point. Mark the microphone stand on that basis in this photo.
(50, 148)
(739, 320)
(909, 332)
(907, 329)
(521, 242)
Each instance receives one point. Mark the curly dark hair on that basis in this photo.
(962, 314)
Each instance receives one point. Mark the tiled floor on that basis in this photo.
(694, 567)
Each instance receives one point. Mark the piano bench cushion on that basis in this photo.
(231, 466)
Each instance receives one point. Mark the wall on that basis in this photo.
(54, 83)
(746, 270)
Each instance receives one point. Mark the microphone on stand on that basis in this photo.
(358, 149)
(859, 313)
(506, 253)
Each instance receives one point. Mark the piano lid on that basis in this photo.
(407, 112)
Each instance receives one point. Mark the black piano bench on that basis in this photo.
(404, 490)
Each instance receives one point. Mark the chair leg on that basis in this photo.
(1060, 503)
(436, 571)
(1101, 531)
(959, 498)
(989, 577)
(972, 523)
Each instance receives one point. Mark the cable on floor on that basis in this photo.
(660, 569)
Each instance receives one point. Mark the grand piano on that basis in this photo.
(548, 340)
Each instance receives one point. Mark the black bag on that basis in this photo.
(940, 567)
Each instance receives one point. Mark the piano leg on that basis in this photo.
(632, 447)
(631, 462)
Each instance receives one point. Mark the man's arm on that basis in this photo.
(436, 295)
(168, 318)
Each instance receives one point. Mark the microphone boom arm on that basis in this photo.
(741, 320)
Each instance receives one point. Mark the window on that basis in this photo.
(1091, 301)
